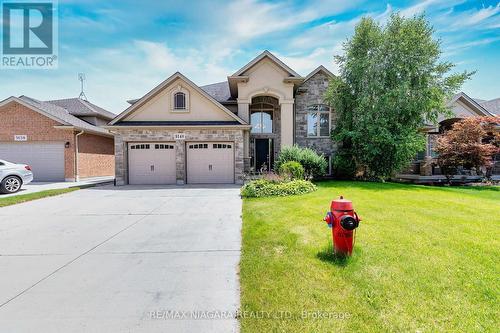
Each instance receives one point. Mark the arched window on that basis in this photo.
(179, 101)
(261, 114)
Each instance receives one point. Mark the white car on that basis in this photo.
(13, 176)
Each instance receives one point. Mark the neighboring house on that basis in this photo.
(182, 133)
(62, 140)
(425, 167)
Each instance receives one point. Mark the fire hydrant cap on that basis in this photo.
(341, 204)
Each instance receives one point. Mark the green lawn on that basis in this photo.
(33, 196)
(426, 259)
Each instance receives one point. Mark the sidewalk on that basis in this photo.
(44, 186)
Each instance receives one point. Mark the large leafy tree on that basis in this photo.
(391, 82)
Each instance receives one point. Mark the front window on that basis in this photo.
(180, 101)
(318, 120)
(262, 122)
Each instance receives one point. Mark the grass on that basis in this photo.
(426, 259)
(34, 196)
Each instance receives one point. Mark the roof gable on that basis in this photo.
(162, 88)
(56, 113)
(470, 103)
(318, 69)
(270, 56)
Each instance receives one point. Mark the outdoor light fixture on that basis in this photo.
(66, 145)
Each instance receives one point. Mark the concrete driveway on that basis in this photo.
(125, 259)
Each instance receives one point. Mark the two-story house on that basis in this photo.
(181, 133)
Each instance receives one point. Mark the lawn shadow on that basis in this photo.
(327, 255)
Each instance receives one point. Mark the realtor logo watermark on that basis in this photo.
(29, 35)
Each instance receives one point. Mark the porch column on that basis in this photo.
(286, 123)
(121, 167)
(244, 114)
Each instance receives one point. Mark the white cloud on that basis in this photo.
(192, 62)
(467, 21)
(306, 63)
(456, 48)
(483, 14)
(422, 6)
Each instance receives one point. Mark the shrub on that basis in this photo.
(315, 165)
(344, 166)
(264, 188)
(464, 145)
(292, 170)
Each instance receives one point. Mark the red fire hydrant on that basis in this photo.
(343, 220)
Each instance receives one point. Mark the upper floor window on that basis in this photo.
(261, 121)
(180, 101)
(318, 120)
(261, 114)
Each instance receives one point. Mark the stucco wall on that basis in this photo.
(95, 156)
(315, 89)
(159, 107)
(123, 136)
(265, 78)
(17, 119)
(460, 110)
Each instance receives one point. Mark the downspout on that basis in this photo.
(77, 177)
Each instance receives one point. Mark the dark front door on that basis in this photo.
(263, 154)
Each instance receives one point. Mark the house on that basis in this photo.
(62, 140)
(181, 133)
(424, 168)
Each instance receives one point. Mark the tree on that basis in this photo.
(465, 145)
(391, 82)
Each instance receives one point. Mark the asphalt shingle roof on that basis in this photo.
(80, 107)
(493, 106)
(62, 114)
(219, 91)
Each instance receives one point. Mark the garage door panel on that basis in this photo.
(210, 162)
(45, 158)
(152, 163)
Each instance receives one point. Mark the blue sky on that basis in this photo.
(127, 47)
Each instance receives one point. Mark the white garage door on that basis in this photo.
(210, 162)
(151, 163)
(46, 159)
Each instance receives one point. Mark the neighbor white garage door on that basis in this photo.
(210, 162)
(151, 163)
(46, 159)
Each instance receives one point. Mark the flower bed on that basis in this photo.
(266, 188)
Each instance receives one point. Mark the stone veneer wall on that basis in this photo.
(312, 92)
(123, 136)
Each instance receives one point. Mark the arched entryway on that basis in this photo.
(265, 132)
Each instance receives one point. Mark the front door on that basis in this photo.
(263, 154)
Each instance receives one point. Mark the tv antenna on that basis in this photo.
(81, 78)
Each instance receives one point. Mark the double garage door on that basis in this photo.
(206, 163)
(45, 158)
